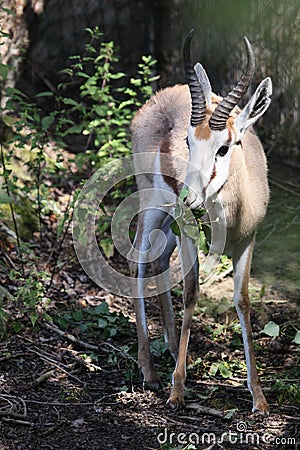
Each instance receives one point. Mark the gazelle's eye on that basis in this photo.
(222, 150)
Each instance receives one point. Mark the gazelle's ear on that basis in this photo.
(204, 82)
(255, 108)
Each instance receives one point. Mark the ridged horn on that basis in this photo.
(220, 115)
(198, 99)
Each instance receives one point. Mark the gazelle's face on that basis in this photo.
(209, 163)
(211, 135)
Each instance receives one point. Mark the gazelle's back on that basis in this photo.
(167, 112)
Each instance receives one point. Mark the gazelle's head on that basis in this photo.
(213, 132)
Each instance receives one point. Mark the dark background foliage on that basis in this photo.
(55, 31)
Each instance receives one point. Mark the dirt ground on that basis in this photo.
(52, 396)
(83, 390)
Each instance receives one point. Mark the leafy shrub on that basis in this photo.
(100, 318)
(33, 164)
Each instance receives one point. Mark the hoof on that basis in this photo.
(261, 406)
(176, 401)
(152, 386)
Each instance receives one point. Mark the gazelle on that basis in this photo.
(223, 157)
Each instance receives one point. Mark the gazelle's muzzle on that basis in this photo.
(193, 199)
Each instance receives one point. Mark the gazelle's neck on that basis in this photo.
(240, 196)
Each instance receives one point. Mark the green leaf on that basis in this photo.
(192, 231)
(47, 317)
(175, 228)
(135, 82)
(77, 315)
(102, 308)
(5, 198)
(213, 369)
(102, 323)
(202, 243)
(17, 326)
(113, 332)
(108, 247)
(158, 347)
(76, 129)
(3, 71)
(44, 94)
(8, 120)
(184, 193)
(47, 122)
(33, 318)
(297, 338)
(70, 101)
(271, 329)
(224, 306)
(117, 76)
(224, 371)
(262, 291)
(230, 413)
(219, 330)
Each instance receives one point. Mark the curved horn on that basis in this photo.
(220, 115)
(198, 99)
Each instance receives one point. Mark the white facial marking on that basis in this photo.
(208, 166)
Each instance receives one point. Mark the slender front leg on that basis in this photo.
(148, 221)
(242, 256)
(189, 258)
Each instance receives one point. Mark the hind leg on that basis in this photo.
(160, 267)
(242, 256)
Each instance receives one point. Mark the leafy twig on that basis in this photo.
(71, 337)
(67, 226)
(85, 345)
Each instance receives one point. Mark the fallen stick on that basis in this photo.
(71, 338)
(205, 410)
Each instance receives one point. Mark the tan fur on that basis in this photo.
(246, 193)
(203, 131)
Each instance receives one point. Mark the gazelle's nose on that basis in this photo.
(193, 200)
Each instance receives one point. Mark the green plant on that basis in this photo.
(106, 107)
(191, 224)
(33, 163)
(286, 392)
(288, 328)
(128, 354)
(91, 320)
(30, 300)
(4, 318)
(158, 346)
(103, 112)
